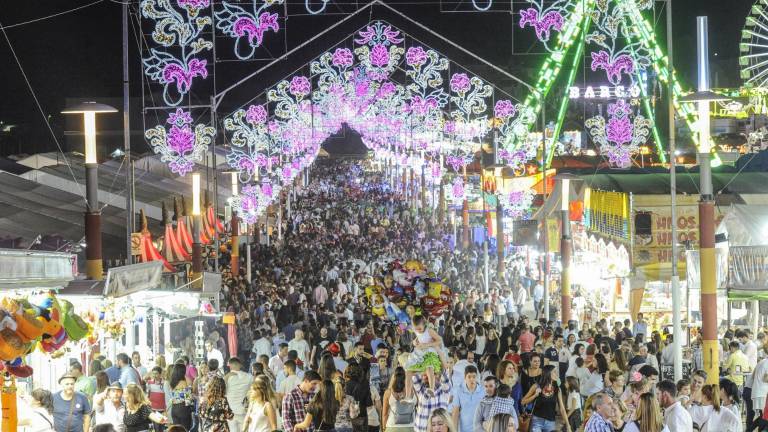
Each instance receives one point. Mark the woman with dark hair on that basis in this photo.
(102, 381)
(358, 386)
(729, 396)
(506, 372)
(470, 340)
(40, 417)
(180, 397)
(491, 343)
(710, 415)
(545, 396)
(214, 408)
(531, 371)
(321, 410)
(503, 423)
(490, 366)
(579, 351)
(399, 402)
(327, 367)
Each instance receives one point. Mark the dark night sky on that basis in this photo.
(79, 54)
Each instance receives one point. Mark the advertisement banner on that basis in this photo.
(654, 245)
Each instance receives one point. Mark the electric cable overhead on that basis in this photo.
(52, 15)
(42, 112)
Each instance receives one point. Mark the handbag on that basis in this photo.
(524, 420)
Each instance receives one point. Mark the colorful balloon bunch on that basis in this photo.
(40, 322)
(111, 317)
(405, 290)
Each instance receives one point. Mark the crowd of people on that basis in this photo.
(312, 357)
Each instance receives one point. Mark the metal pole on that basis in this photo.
(500, 270)
(565, 255)
(197, 248)
(545, 299)
(465, 218)
(127, 141)
(216, 233)
(235, 244)
(248, 254)
(707, 260)
(675, 279)
(93, 265)
(486, 272)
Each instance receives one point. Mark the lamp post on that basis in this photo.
(498, 175)
(197, 249)
(93, 264)
(234, 225)
(707, 260)
(565, 245)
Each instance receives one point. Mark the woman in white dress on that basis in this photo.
(710, 416)
(261, 415)
(729, 396)
(399, 403)
(648, 416)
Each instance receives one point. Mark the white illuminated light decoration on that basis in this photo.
(604, 92)
(89, 123)
(196, 194)
(564, 200)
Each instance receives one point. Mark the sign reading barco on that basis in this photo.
(604, 92)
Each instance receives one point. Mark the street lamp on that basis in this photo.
(498, 175)
(197, 248)
(93, 264)
(565, 245)
(707, 262)
(234, 226)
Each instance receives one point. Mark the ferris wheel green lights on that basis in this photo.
(754, 46)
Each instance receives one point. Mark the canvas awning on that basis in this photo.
(745, 228)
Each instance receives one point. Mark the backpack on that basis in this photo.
(354, 409)
(402, 412)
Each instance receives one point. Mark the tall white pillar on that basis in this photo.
(167, 337)
(130, 337)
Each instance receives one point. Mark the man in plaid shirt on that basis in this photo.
(295, 402)
(429, 400)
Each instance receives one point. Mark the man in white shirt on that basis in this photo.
(108, 407)
(262, 345)
(290, 381)
(538, 297)
(300, 346)
(465, 359)
(238, 384)
(521, 298)
(748, 346)
(276, 362)
(213, 353)
(640, 328)
(668, 352)
(676, 418)
(320, 295)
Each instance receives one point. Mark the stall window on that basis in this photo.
(643, 223)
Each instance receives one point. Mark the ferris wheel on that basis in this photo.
(754, 47)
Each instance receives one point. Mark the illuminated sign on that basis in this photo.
(604, 92)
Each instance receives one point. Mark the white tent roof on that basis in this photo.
(745, 225)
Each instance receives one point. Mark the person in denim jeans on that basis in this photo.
(546, 399)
